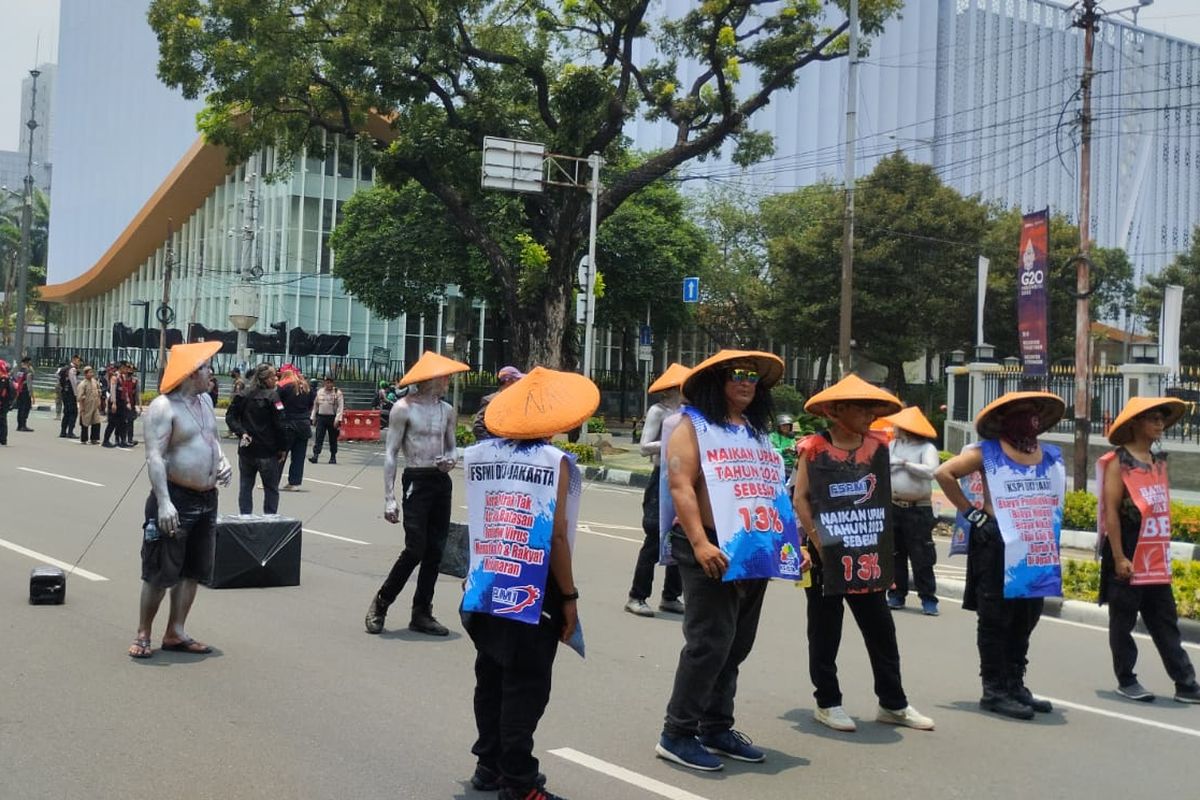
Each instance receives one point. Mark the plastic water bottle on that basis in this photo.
(150, 531)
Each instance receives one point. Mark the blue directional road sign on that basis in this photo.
(645, 335)
(691, 290)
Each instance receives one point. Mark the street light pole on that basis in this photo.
(847, 304)
(589, 322)
(145, 304)
(26, 225)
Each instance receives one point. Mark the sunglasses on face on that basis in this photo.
(743, 375)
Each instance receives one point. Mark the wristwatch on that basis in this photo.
(572, 596)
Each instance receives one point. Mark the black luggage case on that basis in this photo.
(255, 551)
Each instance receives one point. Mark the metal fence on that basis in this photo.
(1185, 385)
(1107, 392)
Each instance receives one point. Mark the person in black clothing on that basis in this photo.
(297, 396)
(68, 376)
(256, 416)
(6, 400)
(24, 394)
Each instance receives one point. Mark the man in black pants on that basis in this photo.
(423, 427)
(24, 394)
(256, 416)
(327, 411)
(651, 445)
(68, 377)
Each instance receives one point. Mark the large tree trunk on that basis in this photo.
(542, 333)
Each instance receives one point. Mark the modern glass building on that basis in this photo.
(984, 90)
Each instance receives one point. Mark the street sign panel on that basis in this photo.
(691, 290)
(380, 356)
(645, 336)
(512, 165)
(645, 353)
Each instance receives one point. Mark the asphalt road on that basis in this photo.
(298, 702)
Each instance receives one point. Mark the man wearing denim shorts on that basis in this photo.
(185, 464)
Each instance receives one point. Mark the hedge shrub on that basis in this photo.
(597, 425)
(1079, 513)
(464, 436)
(584, 453)
(1081, 581)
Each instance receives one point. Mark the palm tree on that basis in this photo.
(11, 206)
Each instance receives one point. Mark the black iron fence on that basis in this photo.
(1185, 385)
(1107, 392)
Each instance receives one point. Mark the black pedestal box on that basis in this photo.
(47, 585)
(255, 551)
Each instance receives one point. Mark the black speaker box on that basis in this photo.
(255, 551)
(47, 586)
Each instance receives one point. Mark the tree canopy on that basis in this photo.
(422, 82)
(1183, 271)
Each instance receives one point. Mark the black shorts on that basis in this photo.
(189, 553)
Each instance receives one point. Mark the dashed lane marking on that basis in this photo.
(335, 536)
(36, 556)
(60, 477)
(331, 483)
(627, 776)
(1126, 717)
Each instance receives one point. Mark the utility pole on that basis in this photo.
(589, 321)
(1088, 19)
(163, 310)
(26, 225)
(848, 230)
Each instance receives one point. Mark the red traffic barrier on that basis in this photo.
(359, 426)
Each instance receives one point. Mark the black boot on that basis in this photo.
(424, 622)
(376, 614)
(1021, 693)
(996, 698)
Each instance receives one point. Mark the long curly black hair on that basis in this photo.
(706, 394)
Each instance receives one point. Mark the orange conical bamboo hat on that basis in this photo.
(1122, 431)
(432, 365)
(913, 421)
(673, 378)
(768, 365)
(1050, 409)
(852, 389)
(541, 404)
(183, 360)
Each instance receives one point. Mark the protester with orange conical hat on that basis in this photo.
(421, 425)
(1135, 563)
(913, 460)
(669, 388)
(519, 597)
(1012, 556)
(843, 499)
(185, 463)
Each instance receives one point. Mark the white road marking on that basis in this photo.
(585, 529)
(335, 536)
(1126, 717)
(620, 773)
(331, 483)
(36, 556)
(610, 526)
(61, 477)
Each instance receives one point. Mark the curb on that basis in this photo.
(619, 477)
(1074, 611)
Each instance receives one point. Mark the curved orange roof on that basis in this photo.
(193, 179)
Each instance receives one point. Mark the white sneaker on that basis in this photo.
(638, 608)
(908, 716)
(835, 717)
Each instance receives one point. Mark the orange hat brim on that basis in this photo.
(768, 365)
(852, 389)
(183, 360)
(911, 420)
(673, 378)
(1122, 429)
(543, 403)
(432, 365)
(1050, 410)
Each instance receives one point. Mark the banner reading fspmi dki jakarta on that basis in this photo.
(1031, 291)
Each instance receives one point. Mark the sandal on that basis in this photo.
(187, 646)
(140, 649)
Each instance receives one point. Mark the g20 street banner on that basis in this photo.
(1031, 291)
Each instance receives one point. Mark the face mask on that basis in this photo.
(1021, 431)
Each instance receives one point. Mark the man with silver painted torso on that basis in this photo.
(422, 426)
(185, 464)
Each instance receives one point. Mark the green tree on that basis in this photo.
(11, 208)
(421, 82)
(1183, 271)
(733, 274)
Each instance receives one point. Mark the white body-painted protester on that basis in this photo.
(734, 529)
(843, 499)
(1134, 516)
(668, 384)
(185, 464)
(913, 460)
(422, 426)
(520, 596)
(1012, 557)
